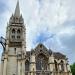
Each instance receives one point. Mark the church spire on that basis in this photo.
(17, 10)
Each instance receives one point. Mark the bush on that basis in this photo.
(73, 69)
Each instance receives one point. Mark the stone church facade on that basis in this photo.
(16, 60)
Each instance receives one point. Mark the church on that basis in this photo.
(16, 60)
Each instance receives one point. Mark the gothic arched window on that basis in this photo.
(18, 31)
(41, 62)
(13, 36)
(18, 37)
(27, 65)
(62, 65)
(13, 30)
(56, 65)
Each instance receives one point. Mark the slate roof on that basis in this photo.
(58, 55)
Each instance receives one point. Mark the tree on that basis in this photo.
(73, 68)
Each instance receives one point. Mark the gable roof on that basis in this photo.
(40, 48)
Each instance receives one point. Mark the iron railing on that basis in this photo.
(46, 73)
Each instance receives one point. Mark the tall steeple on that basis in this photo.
(17, 10)
(16, 17)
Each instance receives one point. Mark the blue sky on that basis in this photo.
(51, 22)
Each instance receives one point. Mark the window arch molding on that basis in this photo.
(13, 30)
(18, 31)
(40, 51)
(27, 65)
(62, 65)
(41, 62)
(56, 65)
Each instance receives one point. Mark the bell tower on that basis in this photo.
(16, 29)
(14, 54)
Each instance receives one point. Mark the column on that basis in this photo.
(5, 66)
(23, 67)
(23, 55)
(59, 67)
(51, 64)
(19, 67)
(6, 48)
(24, 41)
(23, 47)
(69, 70)
(2, 65)
(65, 67)
(7, 42)
(32, 64)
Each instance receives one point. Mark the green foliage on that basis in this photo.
(73, 69)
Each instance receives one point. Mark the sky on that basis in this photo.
(51, 22)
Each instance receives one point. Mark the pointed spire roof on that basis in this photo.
(17, 10)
